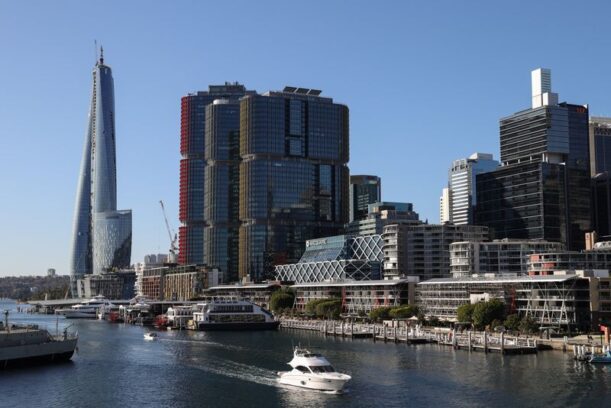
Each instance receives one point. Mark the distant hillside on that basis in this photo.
(34, 287)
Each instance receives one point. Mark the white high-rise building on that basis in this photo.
(541, 82)
(458, 202)
(445, 205)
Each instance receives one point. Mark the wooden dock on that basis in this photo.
(474, 341)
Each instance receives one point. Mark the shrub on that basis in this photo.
(403, 312)
(281, 299)
(381, 313)
(512, 322)
(330, 309)
(464, 313)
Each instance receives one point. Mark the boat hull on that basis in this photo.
(34, 354)
(79, 315)
(312, 383)
(239, 326)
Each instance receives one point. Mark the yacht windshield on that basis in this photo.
(322, 369)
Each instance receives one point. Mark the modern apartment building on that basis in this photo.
(458, 201)
(424, 250)
(101, 239)
(542, 189)
(500, 257)
(364, 190)
(293, 176)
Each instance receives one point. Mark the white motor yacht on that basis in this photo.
(313, 371)
(87, 309)
(150, 336)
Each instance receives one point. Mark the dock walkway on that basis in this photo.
(476, 341)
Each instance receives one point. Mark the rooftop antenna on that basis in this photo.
(95, 51)
(101, 55)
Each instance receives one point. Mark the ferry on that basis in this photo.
(313, 371)
(27, 345)
(178, 316)
(87, 309)
(231, 314)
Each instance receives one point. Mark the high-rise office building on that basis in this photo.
(293, 176)
(600, 145)
(364, 190)
(222, 187)
(193, 166)
(542, 189)
(458, 202)
(101, 235)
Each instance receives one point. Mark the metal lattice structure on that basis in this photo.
(336, 258)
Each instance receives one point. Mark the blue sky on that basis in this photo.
(426, 83)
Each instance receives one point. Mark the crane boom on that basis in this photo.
(173, 249)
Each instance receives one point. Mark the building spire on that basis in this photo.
(101, 55)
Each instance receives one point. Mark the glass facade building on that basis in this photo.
(542, 190)
(461, 197)
(293, 176)
(364, 190)
(101, 234)
(193, 168)
(600, 145)
(222, 187)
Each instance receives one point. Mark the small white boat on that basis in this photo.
(313, 371)
(150, 336)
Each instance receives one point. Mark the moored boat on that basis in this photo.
(232, 314)
(88, 309)
(28, 345)
(313, 371)
(601, 358)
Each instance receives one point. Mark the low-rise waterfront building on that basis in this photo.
(177, 282)
(499, 257)
(112, 285)
(566, 301)
(358, 297)
(336, 258)
(424, 250)
(598, 258)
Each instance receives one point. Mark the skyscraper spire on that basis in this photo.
(101, 55)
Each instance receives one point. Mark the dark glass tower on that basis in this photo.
(222, 187)
(193, 167)
(600, 145)
(542, 190)
(293, 176)
(364, 190)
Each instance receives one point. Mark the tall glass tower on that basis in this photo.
(101, 234)
(293, 176)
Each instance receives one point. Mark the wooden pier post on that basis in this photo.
(396, 339)
(502, 342)
(352, 329)
(485, 341)
(469, 339)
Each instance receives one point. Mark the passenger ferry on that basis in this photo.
(87, 309)
(232, 314)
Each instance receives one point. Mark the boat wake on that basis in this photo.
(202, 342)
(236, 370)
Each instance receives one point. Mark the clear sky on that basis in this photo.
(426, 83)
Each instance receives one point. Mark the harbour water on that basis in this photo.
(115, 367)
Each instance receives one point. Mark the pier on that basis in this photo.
(473, 341)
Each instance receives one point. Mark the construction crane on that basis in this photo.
(173, 249)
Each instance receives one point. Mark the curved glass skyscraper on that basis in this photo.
(101, 235)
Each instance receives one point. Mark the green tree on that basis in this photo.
(403, 312)
(528, 325)
(434, 321)
(380, 313)
(512, 322)
(464, 313)
(331, 309)
(486, 312)
(281, 299)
